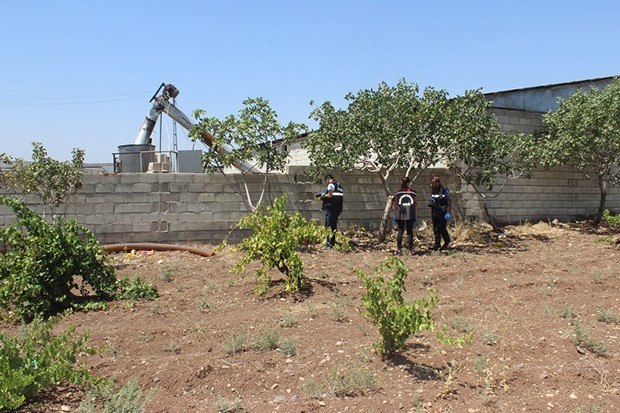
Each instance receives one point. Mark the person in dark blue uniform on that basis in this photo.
(332, 199)
(441, 206)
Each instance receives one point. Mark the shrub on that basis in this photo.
(129, 398)
(36, 360)
(39, 270)
(384, 306)
(135, 290)
(276, 239)
(612, 220)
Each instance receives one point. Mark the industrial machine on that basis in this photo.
(136, 157)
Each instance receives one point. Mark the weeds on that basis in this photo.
(584, 340)
(166, 273)
(288, 347)
(224, 405)
(463, 324)
(490, 336)
(587, 409)
(268, 340)
(493, 375)
(204, 303)
(312, 310)
(348, 380)
(289, 319)
(174, 347)
(338, 311)
(135, 289)
(567, 312)
(127, 399)
(606, 316)
(235, 343)
(146, 338)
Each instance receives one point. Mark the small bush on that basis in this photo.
(275, 242)
(37, 360)
(611, 220)
(135, 290)
(128, 399)
(45, 263)
(384, 306)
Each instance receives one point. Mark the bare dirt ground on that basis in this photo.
(542, 303)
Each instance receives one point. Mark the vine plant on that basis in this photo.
(384, 306)
(275, 242)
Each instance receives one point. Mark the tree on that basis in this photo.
(254, 136)
(478, 152)
(380, 130)
(585, 132)
(51, 180)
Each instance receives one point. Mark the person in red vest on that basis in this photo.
(405, 214)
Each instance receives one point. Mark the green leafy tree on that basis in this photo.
(39, 270)
(275, 242)
(585, 132)
(382, 130)
(255, 137)
(53, 181)
(474, 147)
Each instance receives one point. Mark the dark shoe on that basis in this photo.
(398, 252)
(436, 247)
(445, 247)
(328, 247)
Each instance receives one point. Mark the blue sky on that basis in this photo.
(77, 73)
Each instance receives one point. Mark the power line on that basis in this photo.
(11, 101)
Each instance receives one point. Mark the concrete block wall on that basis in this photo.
(518, 120)
(185, 208)
(563, 193)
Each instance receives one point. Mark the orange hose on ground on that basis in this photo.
(156, 247)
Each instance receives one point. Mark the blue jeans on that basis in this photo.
(331, 221)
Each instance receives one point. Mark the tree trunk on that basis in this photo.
(601, 205)
(385, 225)
(490, 218)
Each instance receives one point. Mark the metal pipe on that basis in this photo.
(144, 135)
(162, 104)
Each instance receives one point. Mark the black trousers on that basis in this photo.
(402, 225)
(440, 231)
(331, 221)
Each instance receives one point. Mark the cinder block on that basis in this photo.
(123, 208)
(104, 188)
(184, 177)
